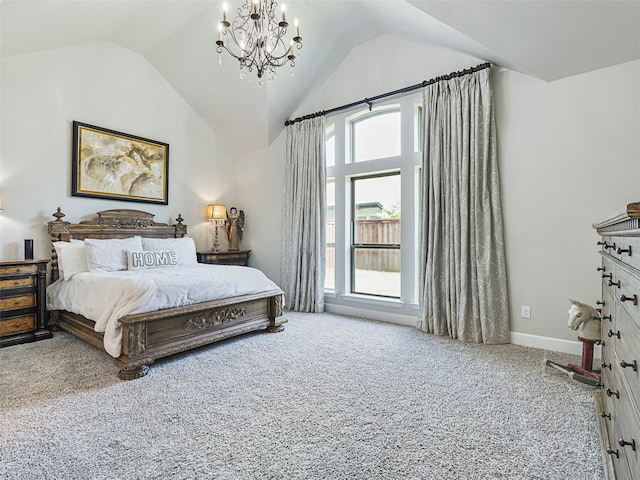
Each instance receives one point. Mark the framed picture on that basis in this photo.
(118, 166)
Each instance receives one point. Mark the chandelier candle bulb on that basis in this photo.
(295, 22)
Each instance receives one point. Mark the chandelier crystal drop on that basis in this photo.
(256, 38)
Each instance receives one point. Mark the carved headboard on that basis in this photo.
(110, 224)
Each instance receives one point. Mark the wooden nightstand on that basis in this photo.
(241, 257)
(23, 301)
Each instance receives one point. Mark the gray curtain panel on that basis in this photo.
(463, 273)
(304, 211)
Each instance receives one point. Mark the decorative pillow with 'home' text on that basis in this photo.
(151, 259)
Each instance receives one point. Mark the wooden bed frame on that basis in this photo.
(149, 336)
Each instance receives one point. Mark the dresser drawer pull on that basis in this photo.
(606, 317)
(605, 365)
(610, 393)
(633, 365)
(605, 415)
(613, 245)
(624, 250)
(601, 243)
(18, 282)
(601, 269)
(632, 443)
(611, 333)
(18, 270)
(634, 299)
(607, 275)
(601, 302)
(612, 283)
(611, 451)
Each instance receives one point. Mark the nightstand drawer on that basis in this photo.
(17, 324)
(20, 301)
(239, 257)
(17, 282)
(18, 269)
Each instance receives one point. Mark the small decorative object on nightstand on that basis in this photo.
(235, 226)
(240, 257)
(22, 301)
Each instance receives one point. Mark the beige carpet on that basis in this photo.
(329, 398)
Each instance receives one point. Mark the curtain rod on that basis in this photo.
(369, 101)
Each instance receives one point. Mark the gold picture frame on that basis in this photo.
(118, 166)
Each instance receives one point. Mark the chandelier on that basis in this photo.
(256, 38)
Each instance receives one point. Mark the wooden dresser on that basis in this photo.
(23, 301)
(618, 401)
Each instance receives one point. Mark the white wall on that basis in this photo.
(108, 86)
(568, 157)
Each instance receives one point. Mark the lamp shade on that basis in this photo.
(216, 212)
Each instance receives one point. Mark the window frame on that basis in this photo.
(372, 246)
(408, 163)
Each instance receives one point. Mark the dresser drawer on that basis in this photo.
(628, 292)
(628, 357)
(18, 269)
(12, 325)
(18, 282)
(19, 301)
(626, 243)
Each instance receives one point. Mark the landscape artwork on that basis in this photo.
(114, 165)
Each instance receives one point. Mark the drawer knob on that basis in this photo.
(605, 415)
(631, 444)
(607, 275)
(633, 365)
(605, 365)
(611, 333)
(612, 452)
(19, 270)
(613, 245)
(599, 302)
(612, 283)
(611, 393)
(601, 269)
(606, 317)
(601, 243)
(634, 299)
(18, 282)
(624, 250)
(17, 302)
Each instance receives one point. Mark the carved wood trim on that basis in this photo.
(215, 318)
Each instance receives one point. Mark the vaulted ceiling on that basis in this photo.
(548, 39)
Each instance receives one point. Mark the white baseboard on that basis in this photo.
(573, 347)
(553, 344)
(396, 318)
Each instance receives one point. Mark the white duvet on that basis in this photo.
(106, 297)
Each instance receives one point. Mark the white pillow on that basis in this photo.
(185, 248)
(72, 258)
(151, 259)
(110, 255)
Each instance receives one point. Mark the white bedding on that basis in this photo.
(106, 297)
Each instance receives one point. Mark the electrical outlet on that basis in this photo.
(525, 312)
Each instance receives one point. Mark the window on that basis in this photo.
(375, 247)
(373, 163)
(376, 135)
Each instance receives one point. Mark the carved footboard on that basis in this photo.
(146, 337)
(150, 336)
